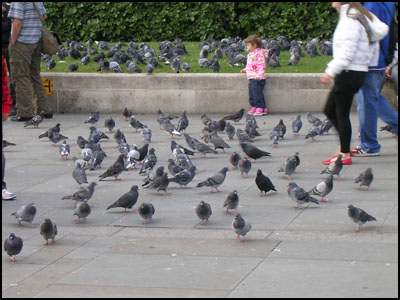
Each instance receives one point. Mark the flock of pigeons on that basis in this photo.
(110, 57)
(181, 167)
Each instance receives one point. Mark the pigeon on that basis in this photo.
(55, 137)
(152, 176)
(359, 216)
(252, 151)
(143, 152)
(313, 119)
(294, 58)
(243, 136)
(184, 177)
(36, 120)
(115, 67)
(50, 64)
(25, 213)
(185, 66)
(56, 128)
(161, 183)
(234, 160)
(299, 195)
(216, 180)
(264, 183)
(7, 143)
(93, 119)
(79, 175)
(289, 167)
(240, 226)
(131, 67)
(149, 162)
(221, 125)
(149, 69)
(183, 123)
(274, 135)
(205, 119)
(73, 67)
(13, 246)
(119, 137)
(281, 129)
(236, 117)
(244, 166)
(127, 114)
(134, 123)
(83, 194)
(87, 153)
(132, 158)
(83, 163)
(173, 168)
(146, 134)
(334, 167)
(323, 188)
(109, 123)
(273, 61)
(48, 230)
(296, 157)
(115, 169)
(231, 201)
(146, 211)
(85, 60)
(313, 132)
(189, 141)
(215, 65)
(82, 211)
(64, 149)
(183, 160)
(365, 178)
(124, 148)
(169, 127)
(185, 150)
(127, 200)
(326, 126)
(98, 156)
(203, 148)
(296, 125)
(81, 142)
(175, 64)
(218, 142)
(203, 211)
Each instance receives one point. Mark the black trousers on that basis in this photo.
(338, 105)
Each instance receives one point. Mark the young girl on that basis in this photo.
(255, 70)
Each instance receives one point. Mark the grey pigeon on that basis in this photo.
(203, 211)
(79, 175)
(243, 136)
(115, 169)
(294, 59)
(73, 67)
(161, 183)
(149, 69)
(146, 211)
(274, 135)
(152, 176)
(83, 194)
(313, 119)
(132, 158)
(189, 141)
(183, 123)
(93, 119)
(359, 216)
(234, 160)
(252, 151)
(7, 143)
(326, 126)
(323, 188)
(296, 125)
(124, 148)
(185, 66)
(98, 156)
(281, 129)
(185, 150)
(264, 183)
(13, 246)
(85, 60)
(236, 117)
(216, 180)
(240, 226)
(173, 168)
(365, 178)
(289, 167)
(87, 153)
(109, 123)
(134, 123)
(119, 137)
(50, 64)
(218, 142)
(96, 135)
(203, 148)
(55, 137)
(244, 166)
(36, 120)
(205, 119)
(81, 142)
(334, 167)
(48, 229)
(230, 131)
(115, 67)
(25, 213)
(127, 200)
(64, 149)
(273, 61)
(313, 132)
(146, 134)
(149, 162)
(231, 201)
(175, 64)
(131, 67)
(82, 211)
(299, 195)
(183, 160)
(184, 177)
(127, 113)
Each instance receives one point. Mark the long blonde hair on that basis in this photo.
(358, 6)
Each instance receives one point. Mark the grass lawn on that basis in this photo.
(306, 65)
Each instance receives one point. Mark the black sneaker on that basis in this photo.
(20, 119)
(48, 115)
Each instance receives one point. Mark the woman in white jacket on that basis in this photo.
(352, 54)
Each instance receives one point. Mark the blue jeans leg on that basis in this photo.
(256, 88)
(252, 93)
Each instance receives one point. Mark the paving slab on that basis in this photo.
(113, 254)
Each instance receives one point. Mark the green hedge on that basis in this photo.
(190, 21)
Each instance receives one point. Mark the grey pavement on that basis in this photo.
(313, 252)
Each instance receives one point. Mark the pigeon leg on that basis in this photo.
(324, 200)
(117, 179)
(243, 240)
(134, 210)
(371, 190)
(47, 243)
(19, 224)
(263, 193)
(13, 259)
(53, 241)
(238, 237)
(297, 207)
(227, 212)
(78, 222)
(340, 178)
(32, 226)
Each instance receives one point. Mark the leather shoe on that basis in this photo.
(48, 115)
(20, 119)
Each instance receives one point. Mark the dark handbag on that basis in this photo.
(50, 40)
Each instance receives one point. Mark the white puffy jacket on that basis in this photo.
(351, 48)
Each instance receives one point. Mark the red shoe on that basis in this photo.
(347, 161)
(355, 151)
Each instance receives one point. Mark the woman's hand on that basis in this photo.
(326, 78)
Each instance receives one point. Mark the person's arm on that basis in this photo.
(15, 30)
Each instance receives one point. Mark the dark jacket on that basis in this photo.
(5, 25)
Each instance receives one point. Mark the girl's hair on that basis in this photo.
(358, 6)
(255, 40)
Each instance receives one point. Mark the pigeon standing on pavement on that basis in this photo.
(36, 120)
(299, 195)
(109, 123)
(296, 125)
(79, 175)
(252, 151)
(48, 229)
(55, 137)
(230, 131)
(359, 216)
(93, 119)
(264, 183)
(323, 188)
(313, 119)
(231, 201)
(146, 211)
(236, 117)
(244, 166)
(149, 162)
(203, 211)
(115, 169)
(82, 211)
(281, 129)
(134, 123)
(83, 194)
(240, 226)
(234, 160)
(313, 132)
(184, 177)
(183, 123)
(365, 178)
(25, 213)
(146, 134)
(127, 200)
(326, 126)
(334, 167)
(64, 149)
(289, 167)
(7, 143)
(13, 246)
(216, 180)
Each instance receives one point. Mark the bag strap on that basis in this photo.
(39, 14)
